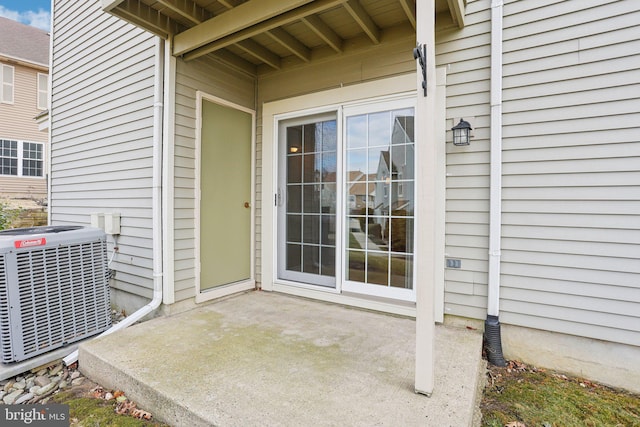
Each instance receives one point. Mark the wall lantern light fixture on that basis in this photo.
(461, 133)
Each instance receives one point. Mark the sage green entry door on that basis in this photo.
(225, 196)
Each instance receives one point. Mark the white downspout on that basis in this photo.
(492, 324)
(49, 146)
(156, 200)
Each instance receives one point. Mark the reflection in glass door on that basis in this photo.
(379, 187)
(306, 200)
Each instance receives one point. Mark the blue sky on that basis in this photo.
(30, 12)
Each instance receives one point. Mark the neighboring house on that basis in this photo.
(24, 95)
(218, 130)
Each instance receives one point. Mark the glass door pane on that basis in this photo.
(379, 187)
(307, 200)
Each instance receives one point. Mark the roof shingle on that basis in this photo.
(24, 42)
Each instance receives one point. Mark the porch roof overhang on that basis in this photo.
(265, 35)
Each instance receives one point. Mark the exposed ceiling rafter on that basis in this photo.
(363, 19)
(409, 7)
(290, 43)
(457, 9)
(245, 34)
(144, 16)
(188, 53)
(187, 9)
(239, 18)
(323, 31)
(259, 52)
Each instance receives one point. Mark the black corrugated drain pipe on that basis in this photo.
(493, 342)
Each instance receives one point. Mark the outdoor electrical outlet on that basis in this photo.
(454, 263)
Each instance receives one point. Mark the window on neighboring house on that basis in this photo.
(6, 80)
(31, 159)
(21, 158)
(8, 157)
(43, 91)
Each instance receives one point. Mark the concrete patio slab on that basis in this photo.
(266, 359)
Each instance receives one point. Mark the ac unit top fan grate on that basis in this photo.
(54, 288)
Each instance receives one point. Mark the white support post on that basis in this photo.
(426, 197)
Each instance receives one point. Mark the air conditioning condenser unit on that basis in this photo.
(54, 288)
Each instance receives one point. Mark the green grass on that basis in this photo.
(536, 397)
(7, 215)
(86, 411)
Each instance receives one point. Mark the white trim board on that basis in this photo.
(333, 99)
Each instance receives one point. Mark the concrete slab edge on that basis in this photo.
(163, 408)
(481, 382)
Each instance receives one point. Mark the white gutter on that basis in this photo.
(495, 200)
(156, 215)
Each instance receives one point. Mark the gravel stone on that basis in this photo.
(11, 397)
(42, 381)
(47, 388)
(77, 381)
(37, 386)
(24, 398)
(56, 369)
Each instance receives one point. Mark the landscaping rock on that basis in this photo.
(24, 398)
(42, 381)
(56, 369)
(11, 397)
(47, 388)
(38, 387)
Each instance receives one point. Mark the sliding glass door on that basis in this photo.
(379, 185)
(306, 200)
(346, 199)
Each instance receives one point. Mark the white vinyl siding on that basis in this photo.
(571, 156)
(571, 168)
(466, 55)
(216, 80)
(7, 83)
(102, 130)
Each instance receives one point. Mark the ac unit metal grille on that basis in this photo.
(61, 296)
(51, 296)
(5, 325)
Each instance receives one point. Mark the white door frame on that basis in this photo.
(308, 104)
(221, 291)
